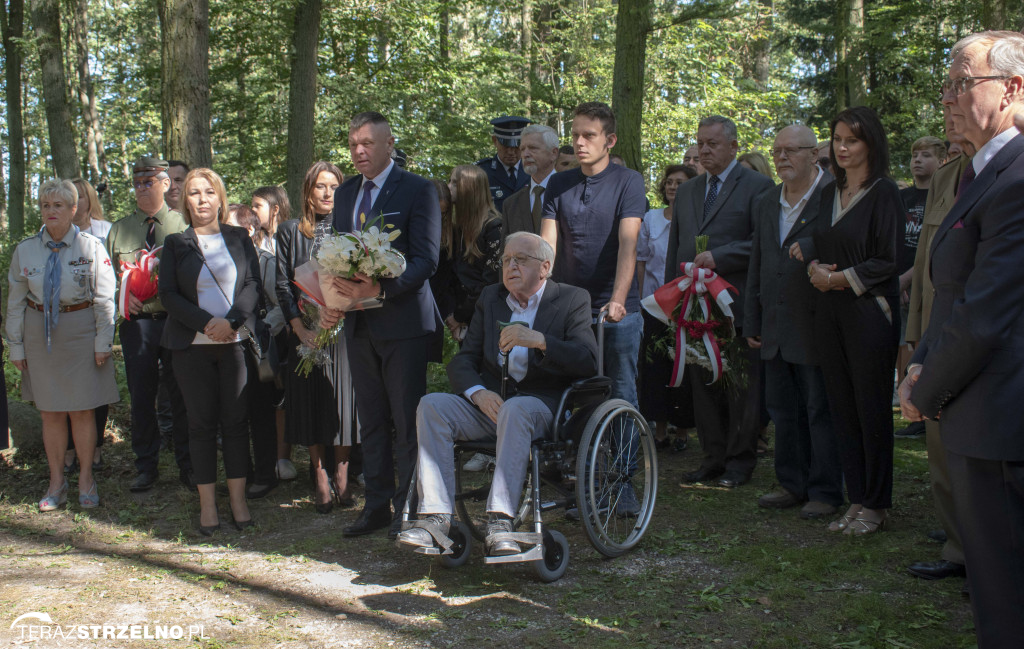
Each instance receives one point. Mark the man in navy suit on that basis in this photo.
(387, 346)
(968, 371)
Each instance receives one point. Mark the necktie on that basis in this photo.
(966, 179)
(51, 289)
(364, 206)
(709, 202)
(512, 176)
(538, 203)
(151, 233)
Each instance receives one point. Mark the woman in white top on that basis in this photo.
(89, 214)
(209, 284)
(658, 402)
(60, 326)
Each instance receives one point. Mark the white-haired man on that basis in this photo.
(522, 210)
(554, 347)
(968, 370)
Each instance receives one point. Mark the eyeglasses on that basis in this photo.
(519, 260)
(144, 184)
(790, 151)
(960, 85)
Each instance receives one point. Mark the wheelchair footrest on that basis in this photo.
(434, 552)
(533, 554)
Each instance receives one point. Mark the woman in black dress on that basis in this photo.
(474, 245)
(852, 261)
(311, 406)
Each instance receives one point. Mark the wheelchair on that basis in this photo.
(599, 448)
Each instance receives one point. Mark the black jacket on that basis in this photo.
(563, 317)
(468, 278)
(293, 250)
(180, 265)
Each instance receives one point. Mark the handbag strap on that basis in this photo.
(243, 328)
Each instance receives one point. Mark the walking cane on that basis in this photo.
(504, 357)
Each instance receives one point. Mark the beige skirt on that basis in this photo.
(66, 378)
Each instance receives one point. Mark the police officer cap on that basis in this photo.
(148, 166)
(509, 129)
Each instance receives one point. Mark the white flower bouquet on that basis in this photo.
(342, 255)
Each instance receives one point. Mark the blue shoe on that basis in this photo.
(52, 501)
(89, 499)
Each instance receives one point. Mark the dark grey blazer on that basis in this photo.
(563, 317)
(729, 226)
(515, 213)
(180, 265)
(779, 301)
(973, 350)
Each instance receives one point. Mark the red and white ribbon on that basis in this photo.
(138, 279)
(702, 285)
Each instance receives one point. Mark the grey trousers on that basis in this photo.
(442, 419)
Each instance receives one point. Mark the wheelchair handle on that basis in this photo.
(602, 315)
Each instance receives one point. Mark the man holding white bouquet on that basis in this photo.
(387, 346)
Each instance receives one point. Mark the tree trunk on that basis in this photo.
(95, 155)
(185, 87)
(633, 24)
(857, 74)
(46, 20)
(302, 97)
(993, 14)
(526, 47)
(12, 27)
(444, 55)
(760, 46)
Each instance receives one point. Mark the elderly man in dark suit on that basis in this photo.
(522, 210)
(720, 204)
(779, 320)
(554, 347)
(968, 371)
(387, 347)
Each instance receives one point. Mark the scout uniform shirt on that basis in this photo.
(127, 238)
(86, 276)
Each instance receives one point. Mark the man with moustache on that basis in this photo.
(720, 204)
(522, 210)
(387, 346)
(968, 370)
(941, 196)
(779, 320)
(140, 231)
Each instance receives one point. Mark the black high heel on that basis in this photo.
(241, 526)
(208, 530)
(336, 494)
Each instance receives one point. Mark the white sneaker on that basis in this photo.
(286, 470)
(478, 462)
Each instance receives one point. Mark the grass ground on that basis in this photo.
(714, 570)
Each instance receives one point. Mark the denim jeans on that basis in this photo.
(621, 352)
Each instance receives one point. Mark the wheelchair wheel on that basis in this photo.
(616, 477)
(459, 533)
(471, 489)
(556, 557)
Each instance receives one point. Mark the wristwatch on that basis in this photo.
(235, 323)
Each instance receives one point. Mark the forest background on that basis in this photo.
(258, 89)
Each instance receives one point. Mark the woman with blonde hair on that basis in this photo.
(209, 284)
(89, 213)
(60, 326)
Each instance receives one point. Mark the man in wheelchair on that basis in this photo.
(548, 345)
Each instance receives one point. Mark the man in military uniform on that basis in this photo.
(505, 171)
(142, 230)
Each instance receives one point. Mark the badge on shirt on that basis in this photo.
(81, 261)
